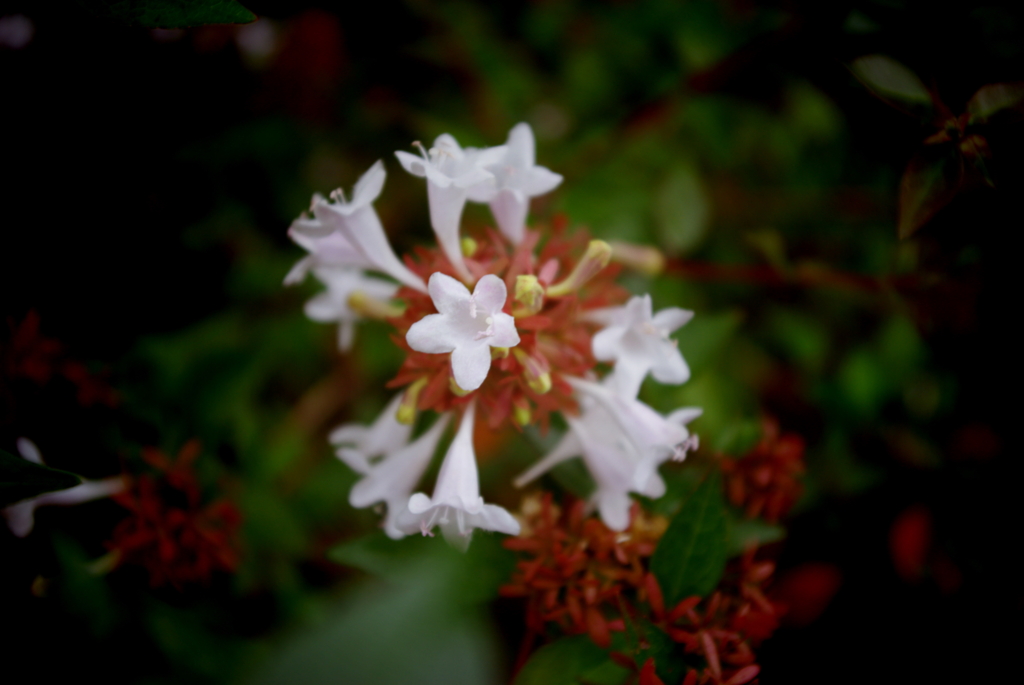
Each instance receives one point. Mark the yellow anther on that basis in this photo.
(407, 409)
(597, 256)
(499, 352)
(372, 308)
(529, 295)
(643, 258)
(468, 246)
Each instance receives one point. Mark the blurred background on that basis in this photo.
(152, 175)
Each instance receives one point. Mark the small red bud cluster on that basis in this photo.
(766, 481)
(170, 532)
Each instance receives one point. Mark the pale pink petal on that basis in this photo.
(445, 214)
(540, 181)
(490, 294)
(509, 209)
(433, 334)
(28, 451)
(505, 333)
(470, 364)
(449, 295)
(606, 343)
(671, 318)
(369, 185)
(669, 367)
(415, 165)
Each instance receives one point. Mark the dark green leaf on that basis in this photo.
(170, 14)
(893, 83)
(21, 479)
(691, 555)
(996, 97)
(570, 660)
(931, 180)
(745, 533)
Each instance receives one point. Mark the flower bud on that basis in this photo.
(370, 307)
(535, 370)
(407, 409)
(529, 295)
(468, 247)
(597, 256)
(643, 258)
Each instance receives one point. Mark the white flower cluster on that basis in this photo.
(621, 440)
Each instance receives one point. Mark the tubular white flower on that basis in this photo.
(392, 479)
(20, 516)
(359, 225)
(450, 172)
(333, 305)
(517, 178)
(359, 443)
(622, 442)
(466, 325)
(638, 342)
(456, 504)
(332, 249)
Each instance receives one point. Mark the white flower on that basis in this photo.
(362, 443)
(20, 515)
(467, 326)
(359, 225)
(334, 304)
(332, 249)
(450, 172)
(517, 178)
(638, 342)
(622, 441)
(392, 479)
(456, 504)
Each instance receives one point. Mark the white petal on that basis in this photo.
(346, 334)
(364, 230)
(540, 180)
(458, 483)
(489, 156)
(355, 460)
(298, 273)
(671, 318)
(505, 333)
(614, 508)
(567, 448)
(521, 146)
(669, 366)
(84, 492)
(28, 451)
(638, 310)
(445, 213)
(415, 165)
(497, 519)
(509, 208)
(607, 343)
(684, 415)
(369, 185)
(433, 334)
(490, 294)
(323, 307)
(393, 478)
(20, 517)
(449, 295)
(470, 364)
(419, 503)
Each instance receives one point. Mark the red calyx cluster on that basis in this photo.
(31, 355)
(169, 532)
(555, 340)
(575, 565)
(766, 481)
(724, 628)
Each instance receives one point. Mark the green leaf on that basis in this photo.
(170, 14)
(571, 660)
(996, 97)
(745, 533)
(691, 556)
(21, 479)
(891, 81)
(931, 180)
